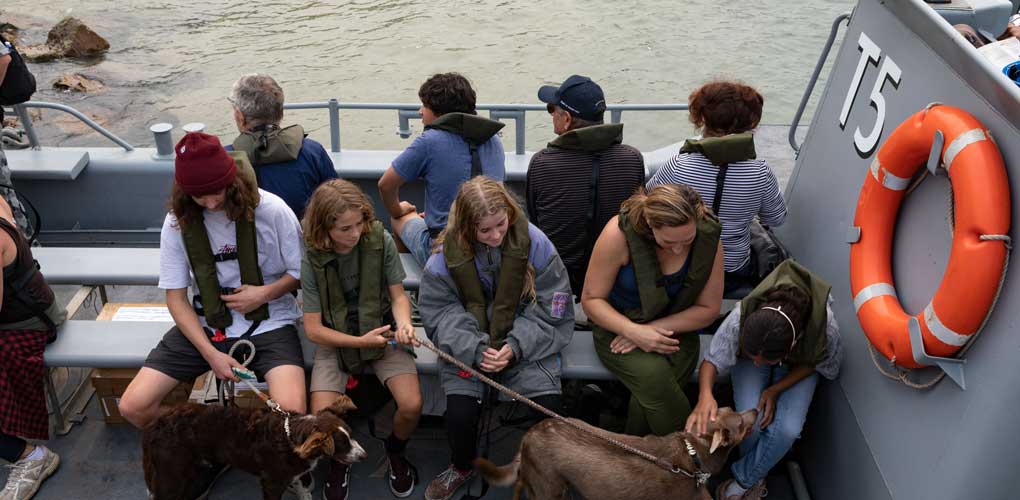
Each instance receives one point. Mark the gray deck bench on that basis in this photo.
(101, 266)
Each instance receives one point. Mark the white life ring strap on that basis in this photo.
(871, 291)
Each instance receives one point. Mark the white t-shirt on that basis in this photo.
(280, 249)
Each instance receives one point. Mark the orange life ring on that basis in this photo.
(979, 250)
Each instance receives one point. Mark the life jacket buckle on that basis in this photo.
(218, 336)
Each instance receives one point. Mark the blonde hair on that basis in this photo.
(477, 198)
(331, 199)
(666, 205)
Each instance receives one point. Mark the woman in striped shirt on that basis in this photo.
(726, 113)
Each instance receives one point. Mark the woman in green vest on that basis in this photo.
(495, 295)
(351, 280)
(775, 343)
(655, 279)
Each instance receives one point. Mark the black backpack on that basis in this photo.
(19, 83)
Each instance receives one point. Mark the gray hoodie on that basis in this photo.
(541, 330)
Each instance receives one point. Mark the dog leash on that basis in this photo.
(247, 376)
(699, 475)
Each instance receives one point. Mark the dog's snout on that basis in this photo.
(356, 454)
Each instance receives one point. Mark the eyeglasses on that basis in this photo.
(550, 108)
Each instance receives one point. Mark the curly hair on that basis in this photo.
(241, 199)
(666, 205)
(766, 332)
(477, 198)
(448, 93)
(331, 199)
(721, 108)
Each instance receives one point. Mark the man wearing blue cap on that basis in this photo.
(582, 176)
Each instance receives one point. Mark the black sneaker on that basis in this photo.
(403, 477)
(337, 481)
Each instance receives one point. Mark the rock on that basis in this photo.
(77, 82)
(39, 53)
(71, 38)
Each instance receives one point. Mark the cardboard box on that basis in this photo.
(110, 383)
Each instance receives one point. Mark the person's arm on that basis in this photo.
(705, 309)
(389, 192)
(545, 326)
(608, 256)
(400, 306)
(447, 323)
(773, 206)
(247, 298)
(320, 334)
(187, 322)
(767, 401)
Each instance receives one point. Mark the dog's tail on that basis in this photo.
(499, 475)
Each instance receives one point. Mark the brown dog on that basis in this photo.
(556, 459)
(178, 445)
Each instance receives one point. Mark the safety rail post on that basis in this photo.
(404, 117)
(814, 79)
(518, 117)
(334, 125)
(26, 123)
(615, 115)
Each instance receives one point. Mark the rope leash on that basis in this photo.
(227, 386)
(698, 475)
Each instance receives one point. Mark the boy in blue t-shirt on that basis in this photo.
(456, 145)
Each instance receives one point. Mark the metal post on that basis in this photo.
(26, 123)
(814, 79)
(404, 117)
(518, 117)
(193, 127)
(334, 125)
(161, 132)
(615, 115)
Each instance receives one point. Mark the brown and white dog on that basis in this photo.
(182, 444)
(556, 459)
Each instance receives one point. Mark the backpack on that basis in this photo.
(19, 83)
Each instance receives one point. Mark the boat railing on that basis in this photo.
(405, 113)
(824, 56)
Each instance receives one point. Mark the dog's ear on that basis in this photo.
(721, 437)
(316, 441)
(341, 406)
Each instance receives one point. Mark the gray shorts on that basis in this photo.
(177, 357)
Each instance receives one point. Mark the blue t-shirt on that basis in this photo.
(625, 294)
(295, 180)
(443, 160)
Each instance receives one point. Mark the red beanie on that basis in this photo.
(202, 166)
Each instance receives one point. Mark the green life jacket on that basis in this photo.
(812, 342)
(271, 144)
(655, 302)
(723, 150)
(474, 129)
(371, 286)
(591, 139)
(512, 270)
(203, 262)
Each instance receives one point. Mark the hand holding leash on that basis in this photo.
(376, 337)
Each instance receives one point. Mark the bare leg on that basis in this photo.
(140, 402)
(287, 387)
(323, 399)
(407, 395)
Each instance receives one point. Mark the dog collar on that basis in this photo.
(699, 475)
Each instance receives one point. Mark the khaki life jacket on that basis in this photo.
(271, 144)
(723, 150)
(474, 129)
(203, 262)
(512, 271)
(371, 247)
(812, 342)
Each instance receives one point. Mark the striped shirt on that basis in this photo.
(751, 189)
(558, 192)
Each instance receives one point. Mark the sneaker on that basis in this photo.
(403, 476)
(27, 475)
(337, 481)
(447, 483)
(756, 492)
(210, 473)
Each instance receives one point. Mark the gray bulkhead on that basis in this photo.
(868, 436)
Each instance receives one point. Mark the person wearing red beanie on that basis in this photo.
(241, 248)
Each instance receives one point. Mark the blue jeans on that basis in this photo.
(763, 449)
(415, 235)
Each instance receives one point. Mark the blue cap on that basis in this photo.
(580, 96)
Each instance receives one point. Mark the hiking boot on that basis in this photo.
(201, 487)
(402, 476)
(447, 483)
(27, 475)
(337, 480)
(756, 492)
